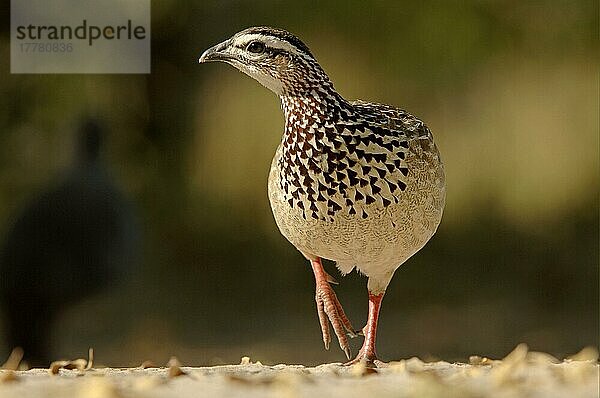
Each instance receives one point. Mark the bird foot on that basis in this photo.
(368, 359)
(330, 311)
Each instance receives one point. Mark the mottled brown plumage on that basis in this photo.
(358, 183)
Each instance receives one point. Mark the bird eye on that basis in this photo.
(256, 47)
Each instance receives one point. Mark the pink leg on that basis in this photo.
(330, 310)
(367, 352)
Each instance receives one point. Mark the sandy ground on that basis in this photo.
(521, 374)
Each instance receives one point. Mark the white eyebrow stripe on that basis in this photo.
(269, 41)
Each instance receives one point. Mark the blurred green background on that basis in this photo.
(510, 90)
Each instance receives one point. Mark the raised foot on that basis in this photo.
(330, 311)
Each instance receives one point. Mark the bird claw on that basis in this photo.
(330, 310)
(354, 333)
(347, 352)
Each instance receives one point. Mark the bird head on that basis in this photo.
(274, 57)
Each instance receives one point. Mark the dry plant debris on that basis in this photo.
(522, 373)
(79, 364)
(175, 368)
(14, 359)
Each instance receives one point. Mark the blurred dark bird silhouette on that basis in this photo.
(71, 241)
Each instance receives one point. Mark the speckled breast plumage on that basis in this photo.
(365, 188)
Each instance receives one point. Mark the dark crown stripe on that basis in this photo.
(280, 35)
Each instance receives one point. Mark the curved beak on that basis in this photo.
(215, 53)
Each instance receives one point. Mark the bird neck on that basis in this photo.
(320, 104)
(89, 142)
(86, 159)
